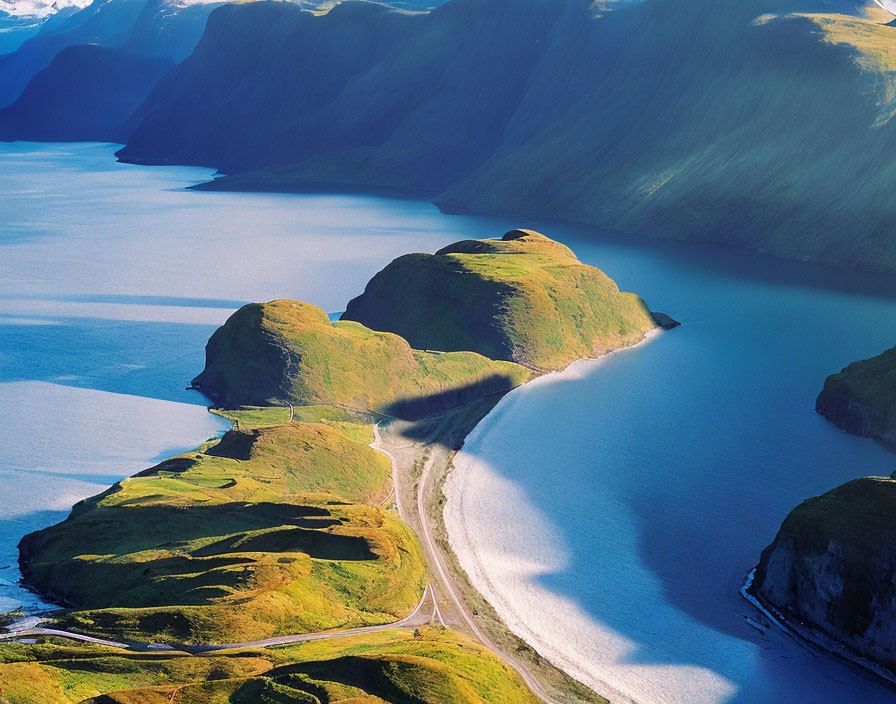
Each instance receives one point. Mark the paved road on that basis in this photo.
(434, 557)
(412, 619)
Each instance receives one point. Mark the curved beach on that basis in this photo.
(506, 563)
(611, 513)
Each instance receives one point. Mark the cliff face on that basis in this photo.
(524, 298)
(832, 567)
(286, 351)
(736, 122)
(861, 399)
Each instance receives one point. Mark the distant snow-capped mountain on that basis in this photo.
(39, 8)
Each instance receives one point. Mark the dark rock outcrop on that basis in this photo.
(861, 399)
(832, 568)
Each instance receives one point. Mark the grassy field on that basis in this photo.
(525, 299)
(262, 533)
(287, 351)
(432, 665)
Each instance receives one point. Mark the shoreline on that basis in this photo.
(242, 183)
(814, 637)
(439, 452)
(459, 542)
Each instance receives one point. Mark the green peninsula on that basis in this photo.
(524, 298)
(861, 399)
(292, 524)
(251, 536)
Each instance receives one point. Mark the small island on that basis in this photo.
(524, 298)
(309, 526)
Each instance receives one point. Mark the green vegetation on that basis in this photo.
(249, 537)
(875, 45)
(286, 351)
(278, 527)
(875, 41)
(769, 130)
(524, 298)
(57, 672)
(861, 399)
(431, 666)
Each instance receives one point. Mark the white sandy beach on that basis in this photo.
(505, 544)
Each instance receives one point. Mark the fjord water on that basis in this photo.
(112, 278)
(615, 509)
(612, 512)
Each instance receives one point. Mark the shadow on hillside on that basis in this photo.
(222, 529)
(373, 675)
(435, 405)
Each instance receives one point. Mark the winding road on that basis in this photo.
(410, 620)
(434, 558)
(436, 561)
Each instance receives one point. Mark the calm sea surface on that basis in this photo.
(614, 510)
(651, 480)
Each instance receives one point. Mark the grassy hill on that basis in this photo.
(861, 399)
(434, 666)
(286, 351)
(524, 298)
(251, 536)
(763, 123)
(279, 527)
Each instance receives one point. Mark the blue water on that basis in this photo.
(644, 486)
(657, 476)
(112, 278)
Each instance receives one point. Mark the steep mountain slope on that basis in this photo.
(15, 30)
(152, 27)
(737, 122)
(87, 93)
(753, 132)
(433, 91)
(259, 78)
(523, 298)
